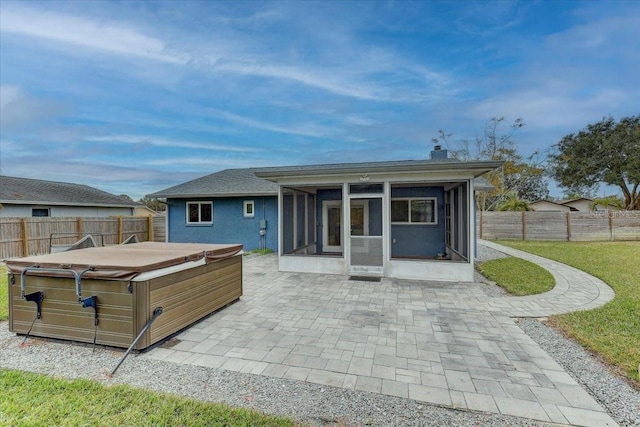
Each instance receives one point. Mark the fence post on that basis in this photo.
(524, 225)
(609, 214)
(25, 237)
(79, 227)
(569, 226)
(150, 227)
(120, 229)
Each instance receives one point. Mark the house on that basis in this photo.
(23, 197)
(143, 210)
(230, 206)
(548, 206)
(410, 219)
(580, 204)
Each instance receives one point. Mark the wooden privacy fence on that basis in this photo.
(572, 226)
(34, 236)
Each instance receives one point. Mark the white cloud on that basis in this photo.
(8, 95)
(94, 34)
(306, 129)
(210, 163)
(18, 109)
(348, 70)
(162, 142)
(600, 37)
(547, 108)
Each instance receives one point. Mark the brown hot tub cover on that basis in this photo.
(124, 262)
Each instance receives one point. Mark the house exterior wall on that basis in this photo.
(229, 224)
(543, 205)
(419, 239)
(22, 211)
(582, 205)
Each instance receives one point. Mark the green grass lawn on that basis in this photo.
(4, 293)
(517, 276)
(613, 330)
(39, 400)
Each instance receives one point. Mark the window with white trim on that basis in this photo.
(199, 212)
(248, 209)
(414, 211)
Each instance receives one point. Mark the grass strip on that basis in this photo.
(28, 399)
(518, 276)
(613, 330)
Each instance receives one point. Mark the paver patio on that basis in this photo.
(448, 344)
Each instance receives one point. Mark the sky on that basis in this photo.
(135, 97)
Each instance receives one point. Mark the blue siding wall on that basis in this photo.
(229, 225)
(419, 240)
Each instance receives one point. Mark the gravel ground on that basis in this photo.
(615, 395)
(309, 403)
(485, 253)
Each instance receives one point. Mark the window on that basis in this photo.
(366, 188)
(414, 211)
(40, 212)
(248, 209)
(199, 212)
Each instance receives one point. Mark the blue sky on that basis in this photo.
(134, 97)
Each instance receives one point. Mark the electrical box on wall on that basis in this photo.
(263, 223)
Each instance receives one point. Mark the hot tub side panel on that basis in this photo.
(186, 297)
(63, 316)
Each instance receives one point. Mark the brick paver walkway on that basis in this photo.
(442, 343)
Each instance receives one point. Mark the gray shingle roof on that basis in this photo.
(229, 182)
(244, 182)
(34, 191)
(442, 164)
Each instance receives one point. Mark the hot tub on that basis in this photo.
(108, 294)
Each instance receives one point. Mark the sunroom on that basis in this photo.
(404, 219)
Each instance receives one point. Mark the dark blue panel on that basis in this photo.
(417, 239)
(300, 216)
(375, 217)
(287, 219)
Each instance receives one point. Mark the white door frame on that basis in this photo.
(363, 200)
(325, 225)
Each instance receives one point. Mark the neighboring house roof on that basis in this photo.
(565, 201)
(548, 205)
(226, 183)
(245, 182)
(480, 183)
(25, 191)
(144, 211)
